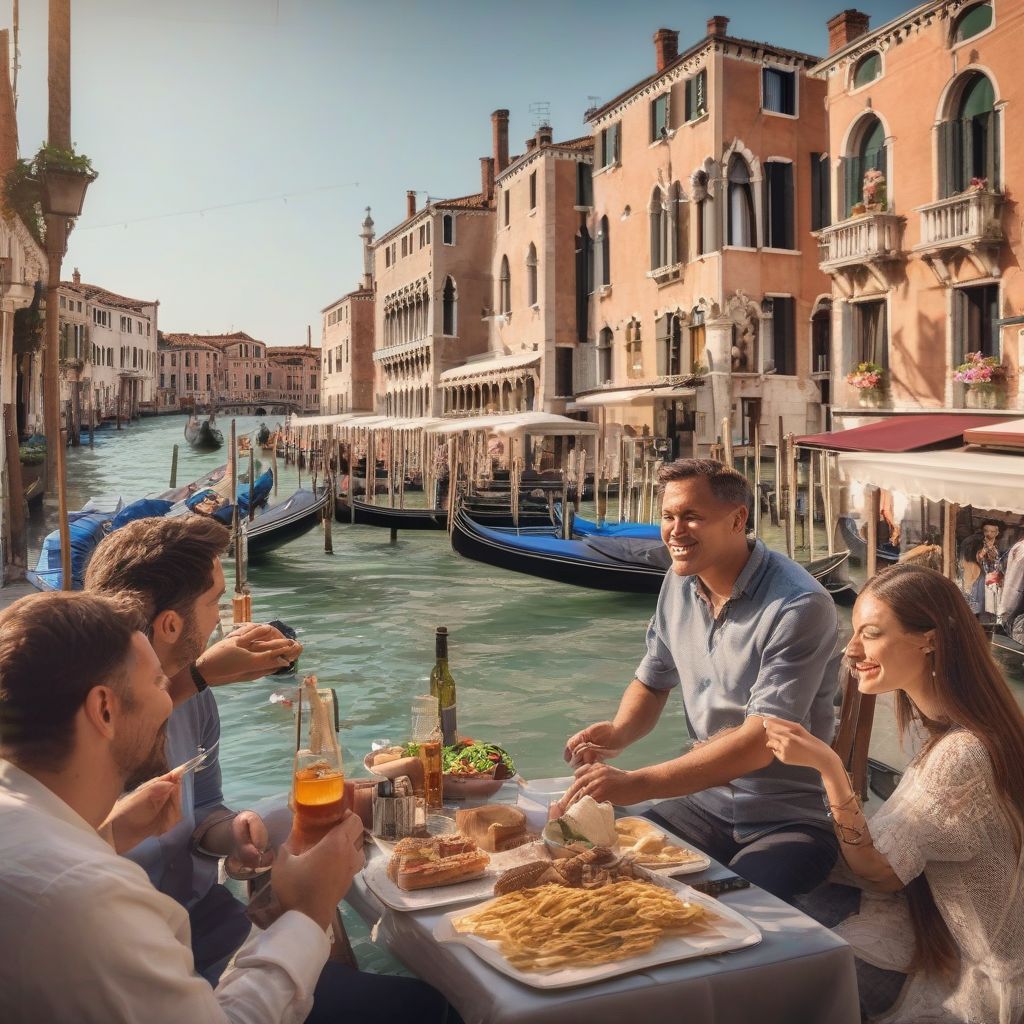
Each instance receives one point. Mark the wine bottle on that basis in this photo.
(442, 687)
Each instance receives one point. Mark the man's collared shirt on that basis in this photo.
(86, 937)
(772, 652)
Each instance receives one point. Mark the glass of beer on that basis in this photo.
(318, 796)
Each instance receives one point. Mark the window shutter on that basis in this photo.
(964, 154)
(789, 93)
(788, 233)
(849, 342)
(599, 259)
(992, 148)
(661, 329)
(852, 182)
(615, 142)
(882, 340)
(944, 143)
(690, 83)
(958, 348)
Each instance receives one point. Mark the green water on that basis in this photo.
(534, 660)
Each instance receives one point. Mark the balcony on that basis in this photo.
(967, 223)
(870, 242)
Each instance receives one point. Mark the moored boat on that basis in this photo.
(277, 524)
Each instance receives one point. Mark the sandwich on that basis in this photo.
(493, 827)
(586, 822)
(434, 861)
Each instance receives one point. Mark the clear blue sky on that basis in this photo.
(189, 105)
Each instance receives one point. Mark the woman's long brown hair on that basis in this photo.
(974, 696)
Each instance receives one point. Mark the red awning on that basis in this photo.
(902, 433)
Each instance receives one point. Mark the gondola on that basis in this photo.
(277, 524)
(639, 567)
(885, 553)
(429, 518)
(627, 564)
(86, 528)
(203, 435)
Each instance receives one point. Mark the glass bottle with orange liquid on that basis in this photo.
(318, 778)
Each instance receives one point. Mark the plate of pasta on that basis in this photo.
(554, 936)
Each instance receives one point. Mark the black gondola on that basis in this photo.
(285, 521)
(885, 553)
(203, 435)
(429, 518)
(630, 565)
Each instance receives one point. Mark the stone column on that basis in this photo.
(718, 341)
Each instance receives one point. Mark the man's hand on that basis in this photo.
(603, 782)
(597, 742)
(250, 841)
(316, 881)
(150, 810)
(250, 652)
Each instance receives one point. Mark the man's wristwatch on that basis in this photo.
(197, 678)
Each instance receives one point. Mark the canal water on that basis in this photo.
(534, 660)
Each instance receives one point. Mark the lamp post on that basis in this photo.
(62, 196)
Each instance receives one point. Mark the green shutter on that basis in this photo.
(992, 148)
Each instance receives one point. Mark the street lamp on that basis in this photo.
(62, 193)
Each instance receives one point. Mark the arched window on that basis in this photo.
(505, 288)
(602, 254)
(604, 356)
(972, 22)
(634, 350)
(741, 204)
(531, 275)
(868, 153)
(969, 138)
(584, 283)
(821, 337)
(868, 68)
(448, 229)
(707, 238)
(656, 209)
(449, 308)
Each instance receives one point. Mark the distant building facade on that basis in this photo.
(346, 341)
(434, 291)
(929, 269)
(202, 371)
(108, 352)
(532, 323)
(697, 251)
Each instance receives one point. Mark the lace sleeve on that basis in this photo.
(935, 812)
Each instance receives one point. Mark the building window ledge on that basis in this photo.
(663, 275)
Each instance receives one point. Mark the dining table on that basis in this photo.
(799, 973)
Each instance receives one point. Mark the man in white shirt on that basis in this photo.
(86, 937)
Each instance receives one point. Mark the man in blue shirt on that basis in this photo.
(746, 634)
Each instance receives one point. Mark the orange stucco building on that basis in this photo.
(702, 269)
(931, 272)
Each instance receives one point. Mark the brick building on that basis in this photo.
(533, 316)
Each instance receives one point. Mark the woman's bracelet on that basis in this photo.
(851, 799)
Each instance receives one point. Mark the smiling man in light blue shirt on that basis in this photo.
(746, 634)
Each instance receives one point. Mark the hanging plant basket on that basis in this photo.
(63, 192)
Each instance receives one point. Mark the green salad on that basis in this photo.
(469, 758)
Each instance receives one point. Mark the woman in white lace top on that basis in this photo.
(941, 863)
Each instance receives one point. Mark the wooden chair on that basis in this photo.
(853, 734)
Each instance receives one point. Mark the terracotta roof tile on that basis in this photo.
(94, 293)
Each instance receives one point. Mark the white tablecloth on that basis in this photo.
(799, 974)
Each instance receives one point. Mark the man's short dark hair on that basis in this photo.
(727, 485)
(54, 648)
(164, 564)
(993, 522)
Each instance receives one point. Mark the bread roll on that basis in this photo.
(493, 827)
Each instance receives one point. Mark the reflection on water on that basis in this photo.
(534, 660)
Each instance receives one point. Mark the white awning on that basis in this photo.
(510, 423)
(488, 367)
(981, 479)
(347, 418)
(632, 396)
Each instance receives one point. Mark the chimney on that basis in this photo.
(531, 144)
(410, 204)
(499, 135)
(666, 47)
(544, 135)
(718, 25)
(487, 176)
(845, 27)
(76, 277)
